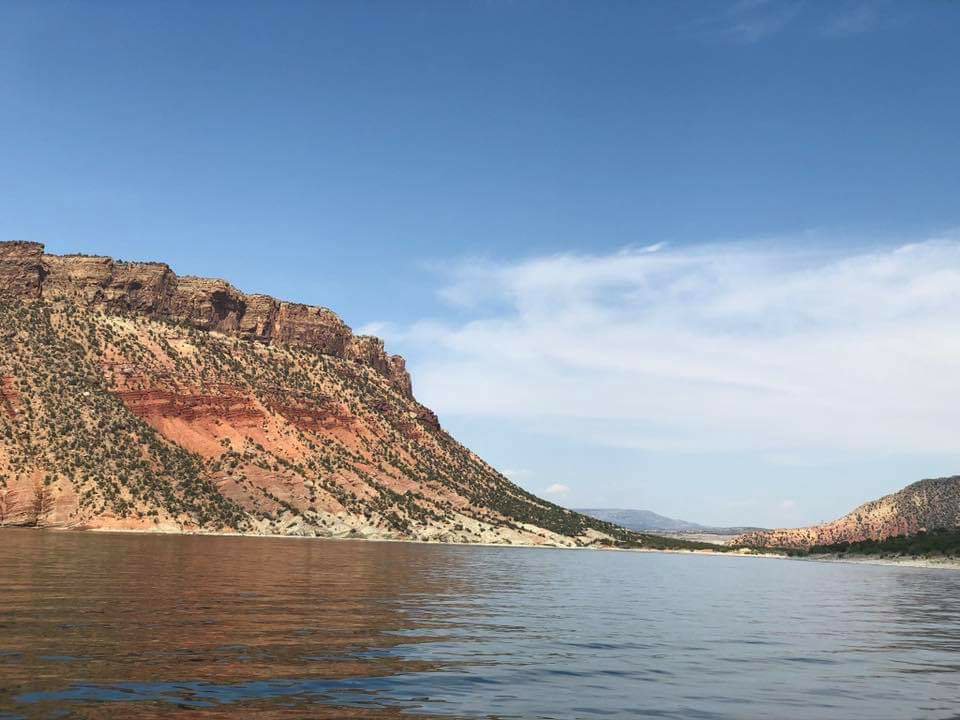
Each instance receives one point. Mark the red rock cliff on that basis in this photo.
(153, 289)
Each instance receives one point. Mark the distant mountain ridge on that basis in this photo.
(648, 521)
(924, 505)
(641, 519)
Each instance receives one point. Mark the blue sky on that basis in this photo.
(637, 254)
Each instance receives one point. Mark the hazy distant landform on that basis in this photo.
(647, 521)
(923, 519)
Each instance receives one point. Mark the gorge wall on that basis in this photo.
(152, 289)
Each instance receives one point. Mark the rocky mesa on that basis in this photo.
(925, 505)
(133, 398)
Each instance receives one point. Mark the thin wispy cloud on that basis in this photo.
(854, 20)
(750, 21)
(751, 346)
(753, 21)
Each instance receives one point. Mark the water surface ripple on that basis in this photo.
(113, 626)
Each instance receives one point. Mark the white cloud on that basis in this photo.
(788, 505)
(557, 490)
(716, 347)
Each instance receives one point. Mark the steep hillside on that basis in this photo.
(131, 398)
(924, 505)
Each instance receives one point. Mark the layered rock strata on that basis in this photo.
(154, 290)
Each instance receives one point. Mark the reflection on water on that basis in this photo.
(97, 626)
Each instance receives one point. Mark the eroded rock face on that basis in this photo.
(258, 321)
(21, 269)
(314, 327)
(119, 287)
(208, 304)
(399, 376)
(153, 289)
(369, 350)
(81, 278)
(141, 287)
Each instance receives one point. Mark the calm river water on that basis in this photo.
(116, 626)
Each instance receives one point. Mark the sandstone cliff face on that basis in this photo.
(21, 269)
(153, 289)
(312, 327)
(101, 282)
(259, 318)
(206, 304)
(924, 505)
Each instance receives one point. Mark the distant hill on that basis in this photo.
(925, 505)
(641, 520)
(647, 521)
